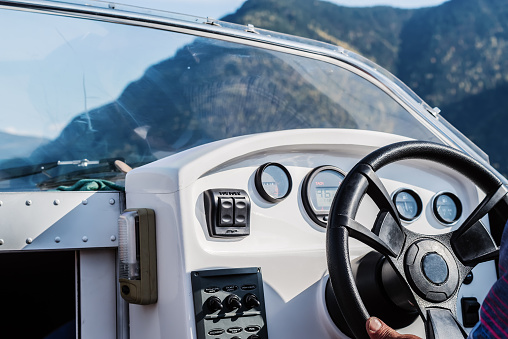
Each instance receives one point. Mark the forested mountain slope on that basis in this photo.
(455, 56)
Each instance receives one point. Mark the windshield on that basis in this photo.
(80, 94)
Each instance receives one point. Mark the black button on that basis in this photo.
(212, 289)
(470, 307)
(252, 328)
(230, 288)
(469, 278)
(216, 331)
(225, 211)
(234, 330)
(249, 287)
(254, 336)
(240, 212)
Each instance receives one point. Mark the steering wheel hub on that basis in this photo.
(431, 270)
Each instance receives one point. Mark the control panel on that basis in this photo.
(229, 304)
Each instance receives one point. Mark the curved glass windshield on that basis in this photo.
(79, 94)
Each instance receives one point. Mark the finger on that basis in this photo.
(379, 330)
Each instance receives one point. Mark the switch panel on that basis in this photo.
(229, 303)
(227, 212)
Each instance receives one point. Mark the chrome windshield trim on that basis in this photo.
(138, 16)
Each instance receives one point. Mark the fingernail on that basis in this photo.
(374, 324)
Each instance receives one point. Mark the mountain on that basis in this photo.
(453, 55)
(13, 146)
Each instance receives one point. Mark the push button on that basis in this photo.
(226, 212)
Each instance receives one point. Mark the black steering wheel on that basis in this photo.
(415, 258)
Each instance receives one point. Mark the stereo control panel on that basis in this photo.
(229, 304)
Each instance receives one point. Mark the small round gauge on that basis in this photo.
(447, 208)
(273, 182)
(408, 204)
(318, 190)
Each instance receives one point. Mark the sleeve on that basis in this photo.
(494, 311)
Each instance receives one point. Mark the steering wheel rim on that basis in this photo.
(390, 238)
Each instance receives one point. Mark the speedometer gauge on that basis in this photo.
(447, 208)
(318, 190)
(273, 182)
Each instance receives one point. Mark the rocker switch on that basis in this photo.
(470, 308)
(226, 212)
(240, 212)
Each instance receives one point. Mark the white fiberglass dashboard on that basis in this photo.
(284, 242)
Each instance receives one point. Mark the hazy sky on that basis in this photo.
(218, 8)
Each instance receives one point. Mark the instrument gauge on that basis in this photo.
(447, 208)
(273, 182)
(318, 190)
(408, 204)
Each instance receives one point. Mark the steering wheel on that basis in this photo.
(432, 266)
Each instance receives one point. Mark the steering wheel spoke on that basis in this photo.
(362, 233)
(441, 324)
(377, 191)
(471, 242)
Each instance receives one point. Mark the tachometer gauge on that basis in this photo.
(318, 190)
(447, 208)
(273, 182)
(408, 204)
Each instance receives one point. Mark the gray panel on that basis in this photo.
(59, 220)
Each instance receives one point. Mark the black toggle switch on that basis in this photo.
(233, 302)
(470, 308)
(251, 301)
(214, 304)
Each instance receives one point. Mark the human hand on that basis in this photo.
(379, 330)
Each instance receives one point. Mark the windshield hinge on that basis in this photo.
(434, 111)
(251, 29)
(213, 22)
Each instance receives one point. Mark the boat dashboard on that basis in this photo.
(261, 202)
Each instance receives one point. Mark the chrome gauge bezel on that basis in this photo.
(416, 197)
(458, 205)
(318, 216)
(259, 182)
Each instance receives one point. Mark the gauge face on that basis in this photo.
(273, 182)
(318, 191)
(408, 204)
(447, 208)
